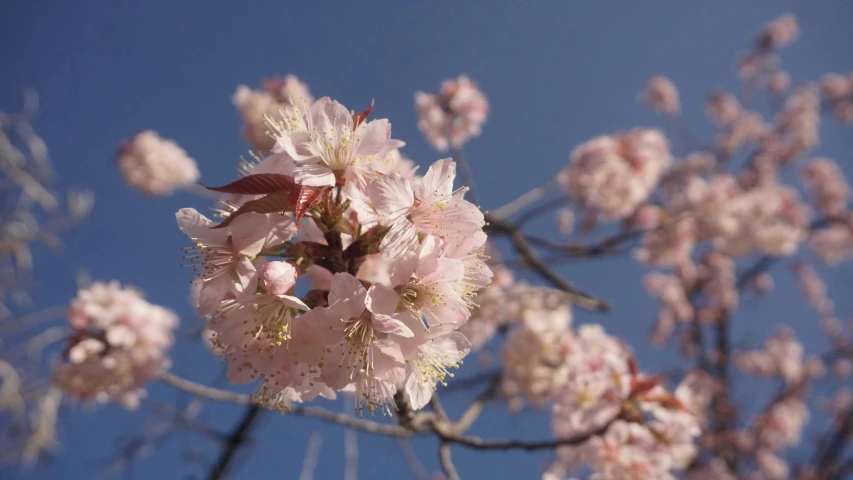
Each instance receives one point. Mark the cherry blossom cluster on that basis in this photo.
(118, 344)
(591, 383)
(452, 116)
(278, 95)
(392, 261)
(837, 90)
(781, 424)
(154, 165)
(614, 174)
(760, 66)
(661, 94)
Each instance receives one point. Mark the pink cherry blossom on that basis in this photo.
(614, 174)
(722, 107)
(327, 144)
(454, 115)
(221, 256)
(828, 186)
(154, 165)
(118, 344)
(278, 277)
(780, 32)
(430, 208)
(662, 95)
(279, 94)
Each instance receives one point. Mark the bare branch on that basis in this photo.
(523, 248)
(234, 441)
(447, 462)
(309, 464)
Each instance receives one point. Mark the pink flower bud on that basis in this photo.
(279, 277)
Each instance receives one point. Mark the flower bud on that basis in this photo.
(279, 277)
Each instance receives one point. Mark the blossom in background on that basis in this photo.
(827, 184)
(452, 116)
(278, 95)
(662, 95)
(837, 90)
(615, 174)
(118, 344)
(154, 165)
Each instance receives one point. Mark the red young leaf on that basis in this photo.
(258, 184)
(644, 385)
(273, 202)
(632, 366)
(304, 198)
(361, 116)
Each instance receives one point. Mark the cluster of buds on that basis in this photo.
(119, 342)
(452, 116)
(394, 261)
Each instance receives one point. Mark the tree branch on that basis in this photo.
(235, 440)
(523, 248)
(447, 462)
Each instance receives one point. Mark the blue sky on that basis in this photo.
(556, 74)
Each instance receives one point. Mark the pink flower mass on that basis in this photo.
(452, 116)
(367, 331)
(118, 344)
(154, 165)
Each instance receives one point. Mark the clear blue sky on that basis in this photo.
(556, 73)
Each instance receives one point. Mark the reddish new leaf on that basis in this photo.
(632, 366)
(639, 387)
(361, 116)
(258, 184)
(304, 198)
(273, 202)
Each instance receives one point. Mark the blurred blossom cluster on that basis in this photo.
(452, 116)
(277, 97)
(154, 165)
(118, 343)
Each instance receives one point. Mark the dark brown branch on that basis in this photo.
(477, 443)
(235, 440)
(524, 249)
(827, 462)
(605, 246)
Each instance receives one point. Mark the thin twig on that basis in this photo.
(447, 461)
(478, 443)
(472, 413)
(309, 464)
(203, 391)
(523, 248)
(226, 396)
(523, 201)
(411, 458)
(350, 454)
